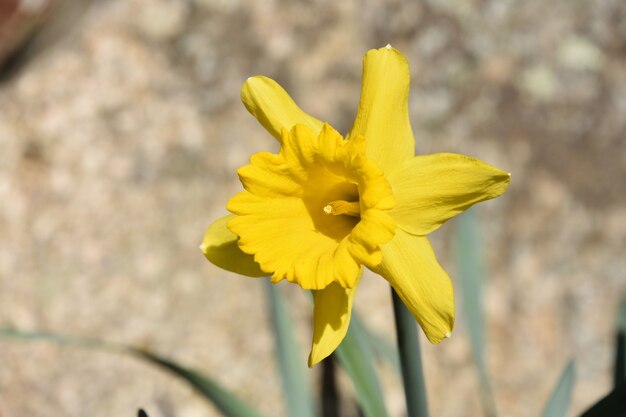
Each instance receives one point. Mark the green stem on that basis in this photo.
(331, 402)
(410, 360)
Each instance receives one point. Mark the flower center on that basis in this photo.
(321, 190)
(339, 207)
(315, 212)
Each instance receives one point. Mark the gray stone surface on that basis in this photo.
(119, 145)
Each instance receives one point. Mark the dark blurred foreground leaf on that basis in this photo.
(290, 364)
(356, 357)
(31, 34)
(228, 403)
(559, 402)
(619, 375)
(141, 413)
(471, 274)
(613, 405)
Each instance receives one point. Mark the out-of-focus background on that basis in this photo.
(121, 130)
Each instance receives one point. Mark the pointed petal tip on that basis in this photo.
(246, 84)
(505, 177)
(272, 106)
(255, 77)
(388, 49)
(437, 338)
(255, 85)
(316, 357)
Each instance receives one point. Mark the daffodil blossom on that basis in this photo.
(324, 207)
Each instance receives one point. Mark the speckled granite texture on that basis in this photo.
(119, 145)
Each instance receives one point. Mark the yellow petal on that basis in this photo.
(431, 189)
(220, 247)
(268, 176)
(331, 318)
(383, 114)
(410, 266)
(283, 238)
(273, 108)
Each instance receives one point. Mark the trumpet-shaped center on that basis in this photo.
(315, 212)
(339, 207)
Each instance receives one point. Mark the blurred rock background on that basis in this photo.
(121, 130)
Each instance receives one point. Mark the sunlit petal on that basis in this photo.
(383, 114)
(431, 189)
(273, 108)
(410, 266)
(331, 318)
(220, 247)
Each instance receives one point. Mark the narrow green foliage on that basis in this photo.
(381, 347)
(225, 401)
(471, 273)
(292, 371)
(79, 342)
(141, 413)
(559, 401)
(410, 360)
(357, 358)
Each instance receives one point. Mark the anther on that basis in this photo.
(339, 207)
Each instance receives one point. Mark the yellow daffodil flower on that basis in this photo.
(323, 207)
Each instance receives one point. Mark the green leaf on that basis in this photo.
(291, 365)
(471, 281)
(357, 358)
(471, 273)
(80, 342)
(561, 396)
(410, 359)
(380, 346)
(225, 401)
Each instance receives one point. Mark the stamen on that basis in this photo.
(339, 207)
